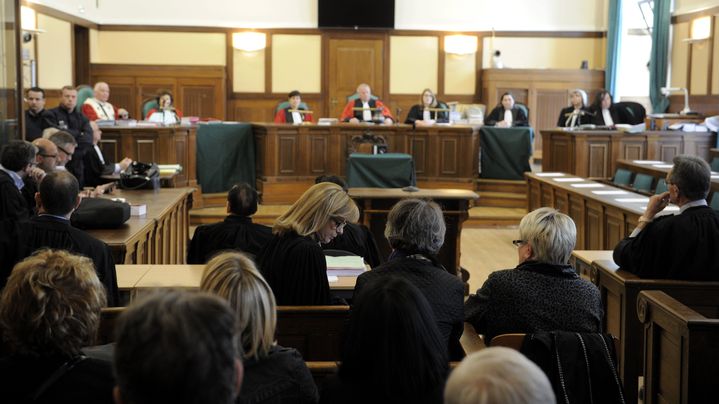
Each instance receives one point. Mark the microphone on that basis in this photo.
(399, 113)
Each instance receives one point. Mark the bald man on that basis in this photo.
(46, 157)
(370, 108)
(99, 108)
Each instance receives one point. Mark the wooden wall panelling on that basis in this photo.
(614, 229)
(576, 212)
(633, 148)
(147, 88)
(549, 102)
(594, 221)
(52, 98)
(203, 97)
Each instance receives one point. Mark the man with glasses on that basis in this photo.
(66, 146)
(37, 118)
(680, 246)
(68, 118)
(47, 154)
(17, 161)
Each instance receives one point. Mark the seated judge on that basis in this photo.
(96, 164)
(415, 231)
(681, 246)
(506, 114)
(576, 114)
(420, 114)
(367, 103)
(165, 113)
(543, 293)
(37, 118)
(355, 238)
(236, 232)
(49, 311)
(603, 109)
(57, 199)
(291, 114)
(292, 262)
(99, 108)
(17, 163)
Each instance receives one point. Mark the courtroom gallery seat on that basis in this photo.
(661, 186)
(622, 177)
(643, 182)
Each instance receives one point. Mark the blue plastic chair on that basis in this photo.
(643, 182)
(622, 177)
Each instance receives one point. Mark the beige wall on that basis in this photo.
(715, 64)
(680, 55)
(296, 63)
(248, 75)
(700, 68)
(460, 74)
(413, 64)
(687, 6)
(54, 53)
(158, 48)
(546, 53)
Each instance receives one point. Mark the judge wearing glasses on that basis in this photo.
(292, 262)
(543, 293)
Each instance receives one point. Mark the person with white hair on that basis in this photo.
(98, 108)
(365, 108)
(543, 293)
(577, 113)
(498, 375)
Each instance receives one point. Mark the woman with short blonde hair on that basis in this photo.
(292, 262)
(272, 373)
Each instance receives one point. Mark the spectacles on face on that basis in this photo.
(519, 243)
(49, 156)
(64, 151)
(339, 224)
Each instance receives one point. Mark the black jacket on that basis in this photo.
(519, 118)
(416, 113)
(598, 118)
(281, 377)
(357, 239)
(564, 119)
(36, 123)
(95, 168)
(13, 203)
(75, 123)
(234, 233)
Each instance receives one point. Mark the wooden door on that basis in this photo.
(351, 62)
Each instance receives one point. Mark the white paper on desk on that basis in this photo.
(612, 192)
(631, 200)
(647, 162)
(663, 165)
(345, 266)
(549, 174)
(331, 278)
(573, 179)
(593, 185)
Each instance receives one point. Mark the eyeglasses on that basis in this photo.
(49, 156)
(64, 151)
(519, 243)
(339, 223)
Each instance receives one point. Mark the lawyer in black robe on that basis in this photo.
(16, 159)
(519, 118)
(13, 204)
(234, 233)
(565, 117)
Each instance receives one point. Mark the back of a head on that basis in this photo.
(416, 226)
(242, 199)
(552, 235)
(692, 175)
(392, 343)
(62, 139)
(234, 277)
(333, 179)
(58, 193)
(176, 347)
(51, 304)
(17, 154)
(498, 375)
(319, 204)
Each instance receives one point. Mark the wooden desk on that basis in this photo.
(289, 157)
(594, 153)
(375, 203)
(160, 236)
(582, 261)
(658, 169)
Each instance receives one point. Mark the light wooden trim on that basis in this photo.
(59, 14)
(163, 28)
(676, 19)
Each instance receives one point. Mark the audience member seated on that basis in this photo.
(96, 164)
(604, 112)
(37, 118)
(543, 293)
(17, 162)
(51, 228)
(367, 103)
(98, 108)
(68, 119)
(45, 160)
(420, 115)
(498, 375)
(576, 114)
(236, 232)
(290, 113)
(66, 146)
(682, 246)
(49, 311)
(393, 351)
(165, 113)
(507, 114)
(355, 238)
(415, 231)
(273, 374)
(292, 262)
(177, 347)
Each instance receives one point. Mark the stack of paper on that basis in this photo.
(345, 266)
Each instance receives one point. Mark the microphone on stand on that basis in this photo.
(398, 114)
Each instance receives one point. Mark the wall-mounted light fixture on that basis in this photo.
(701, 29)
(460, 44)
(249, 41)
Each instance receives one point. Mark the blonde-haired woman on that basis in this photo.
(272, 373)
(293, 262)
(420, 115)
(576, 114)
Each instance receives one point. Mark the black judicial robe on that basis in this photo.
(519, 118)
(444, 292)
(598, 118)
(564, 117)
(94, 169)
(234, 233)
(357, 239)
(684, 247)
(296, 270)
(20, 240)
(416, 113)
(13, 204)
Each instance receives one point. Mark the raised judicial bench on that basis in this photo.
(680, 349)
(620, 290)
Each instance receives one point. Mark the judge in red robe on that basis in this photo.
(98, 107)
(365, 101)
(287, 115)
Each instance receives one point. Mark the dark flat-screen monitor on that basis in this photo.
(355, 13)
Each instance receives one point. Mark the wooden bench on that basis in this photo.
(620, 290)
(315, 331)
(680, 351)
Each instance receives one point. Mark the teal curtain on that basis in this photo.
(659, 60)
(614, 39)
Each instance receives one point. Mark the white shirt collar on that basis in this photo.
(692, 204)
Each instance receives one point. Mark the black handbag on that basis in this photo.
(140, 176)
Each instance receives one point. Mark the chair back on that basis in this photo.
(356, 96)
(315, 331)
(715, 201)
(661, 186)
(630, 112)
(715, 164)
(83, 93)
(523, 108)
(108, 320)
(286, 104)
(147, 105)
(622, 177)
(643, 182)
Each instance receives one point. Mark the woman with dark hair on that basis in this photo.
(415, 231)
(603, 109)
(393, 352)
(506, 114)
(165, 113)
(422, 115)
